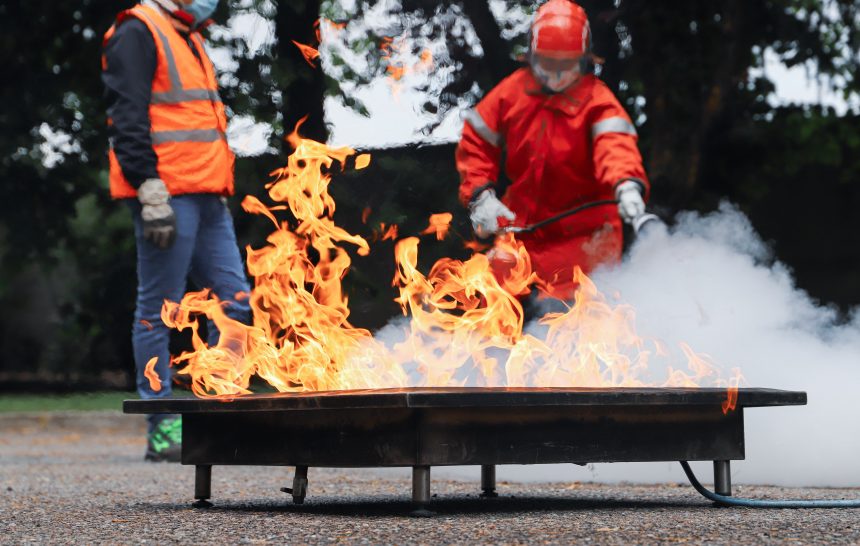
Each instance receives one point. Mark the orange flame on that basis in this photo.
(309, 53)
(731, 402)
(439, 224)
(395, 52)
(362, 161)
(149, 373)
(466, 319)
(387, 233)
(333, 26)
(476, 246)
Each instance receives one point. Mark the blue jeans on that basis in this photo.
(205, 251)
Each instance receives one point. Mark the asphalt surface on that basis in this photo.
(80, 478)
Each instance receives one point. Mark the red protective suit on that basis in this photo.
(562, 150)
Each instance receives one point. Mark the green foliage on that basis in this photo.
(96, 401)
(66, 274)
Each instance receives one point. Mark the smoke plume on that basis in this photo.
(711, 282)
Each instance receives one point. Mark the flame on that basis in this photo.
(439, 224)
(309, 53)
(731, 402)
(362, 161)
(151, 375)
(388, 233)
(365, 214)
(466, 318)
(398, 65)
(476, 246)
(334, 27)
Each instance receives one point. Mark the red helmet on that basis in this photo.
(560, 30)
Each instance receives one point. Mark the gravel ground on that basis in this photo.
(79, 478)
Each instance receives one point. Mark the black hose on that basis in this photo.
(537, 225)
(755, 503)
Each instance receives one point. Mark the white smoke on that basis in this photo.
(711, 282)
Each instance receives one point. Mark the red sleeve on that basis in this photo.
(480, 150)
(615, 144)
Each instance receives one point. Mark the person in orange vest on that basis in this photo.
(567, 141)
(169, 160)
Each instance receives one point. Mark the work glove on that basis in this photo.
(630, 203)
(486, 209)
(159, 221)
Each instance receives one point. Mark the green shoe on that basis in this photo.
(165, 441)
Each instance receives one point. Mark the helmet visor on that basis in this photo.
(556, 74)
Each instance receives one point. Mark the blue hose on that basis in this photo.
(754, 503)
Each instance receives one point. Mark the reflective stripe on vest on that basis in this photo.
(480, 126)
(612, 125)
(184, 95)
(176, 94)
(192, 135)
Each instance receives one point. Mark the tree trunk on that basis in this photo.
(603, 18)
(296, 20)
(497, 51)
(690, 60)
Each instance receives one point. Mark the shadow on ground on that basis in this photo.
(368, 507)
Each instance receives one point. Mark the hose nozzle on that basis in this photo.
(646, 222)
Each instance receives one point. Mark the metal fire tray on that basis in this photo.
(424, 427)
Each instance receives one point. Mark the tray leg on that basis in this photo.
(300, 485)
(723, 478)
(421, 491)
(488, 481)
(202, 486)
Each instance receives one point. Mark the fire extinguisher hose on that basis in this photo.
(756, 503)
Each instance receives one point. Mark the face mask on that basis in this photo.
(201, 9)
(556, 81)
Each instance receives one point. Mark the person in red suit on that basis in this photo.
(566, 141)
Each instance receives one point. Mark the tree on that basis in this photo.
(687, 72)
(683, 69)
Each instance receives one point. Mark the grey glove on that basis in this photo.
(630, 203)
(485, 211)
(159, 221)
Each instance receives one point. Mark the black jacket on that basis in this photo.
(131, 61)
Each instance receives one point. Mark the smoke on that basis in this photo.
(712, 282)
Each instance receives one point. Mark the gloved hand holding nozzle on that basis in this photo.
(485, 211)
(630, 203)
(159, 221)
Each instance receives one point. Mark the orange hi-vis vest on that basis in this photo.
(187, 117)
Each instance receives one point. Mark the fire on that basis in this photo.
(362, 161)
(309, 53)
(398, 65)
(386, 233)
(731, 401)
(151, 375)
(466, 319)
(439, 225)
(476, 246)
